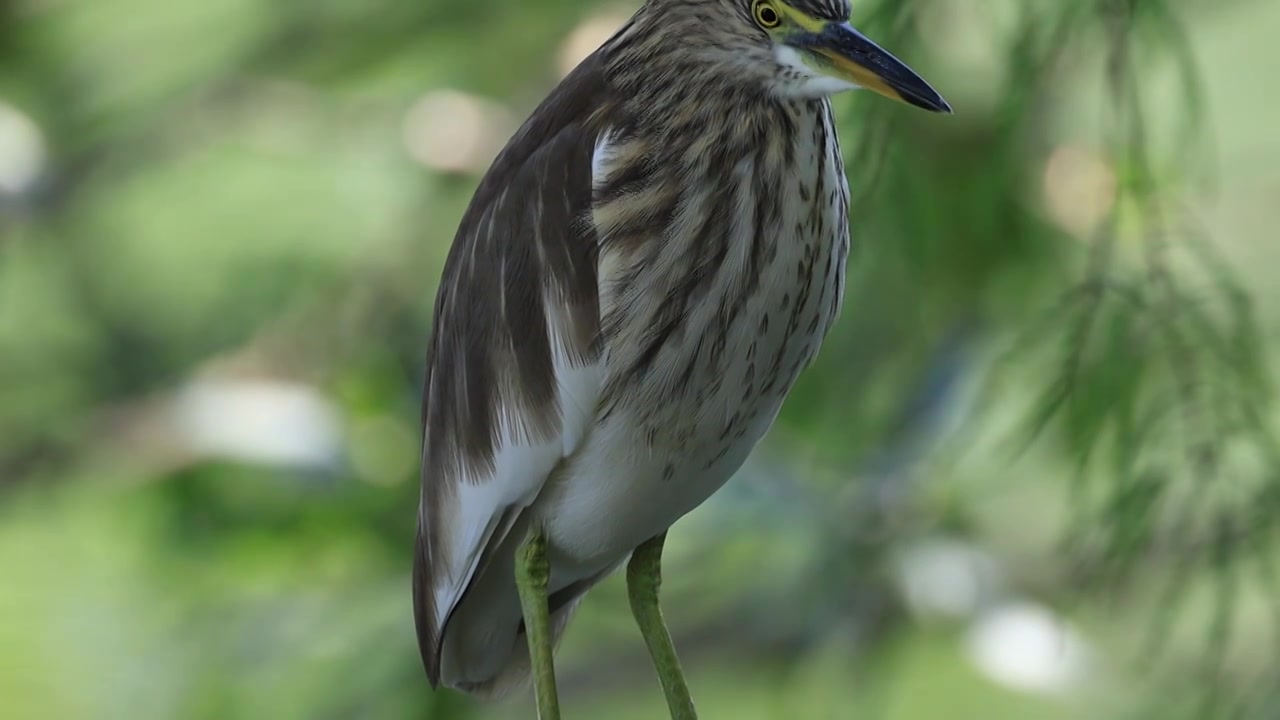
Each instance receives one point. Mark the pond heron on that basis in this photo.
(639, 279)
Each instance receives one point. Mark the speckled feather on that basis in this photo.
(640, 278)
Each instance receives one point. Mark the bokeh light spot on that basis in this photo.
(22, 151)
(1079, 189)
(453, 131)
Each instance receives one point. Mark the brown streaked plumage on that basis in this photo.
(640, 278)
(490, 349)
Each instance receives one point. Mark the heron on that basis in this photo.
(640, 277)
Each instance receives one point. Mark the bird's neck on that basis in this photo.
(662, 63)
(717, 121)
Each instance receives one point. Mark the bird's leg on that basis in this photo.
(533, 572)
(644, 576)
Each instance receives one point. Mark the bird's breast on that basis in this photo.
(718, 282)
(720, 276)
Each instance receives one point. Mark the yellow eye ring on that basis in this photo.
(766, 15)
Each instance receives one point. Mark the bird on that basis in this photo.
(639, 279)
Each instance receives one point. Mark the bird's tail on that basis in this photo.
(484, 650)
(504, 667)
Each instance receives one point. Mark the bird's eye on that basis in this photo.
(767, 15)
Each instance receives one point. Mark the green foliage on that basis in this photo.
(231, 199)
(1163, 390)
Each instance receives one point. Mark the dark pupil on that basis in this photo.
(768, 15)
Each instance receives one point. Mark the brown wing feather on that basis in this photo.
(524, 252)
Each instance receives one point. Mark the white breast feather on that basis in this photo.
(601, 158)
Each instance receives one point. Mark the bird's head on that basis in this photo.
(801, 48)
(819, 52)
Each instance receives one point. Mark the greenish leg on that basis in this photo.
(644, 577)
(533, 572)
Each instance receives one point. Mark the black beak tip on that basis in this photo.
(930, 101)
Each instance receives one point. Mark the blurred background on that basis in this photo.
(1032, 475)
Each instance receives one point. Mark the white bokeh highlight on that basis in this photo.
(22, 151)
(272, 423)
(1025, 646)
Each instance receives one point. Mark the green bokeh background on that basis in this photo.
(221, 228)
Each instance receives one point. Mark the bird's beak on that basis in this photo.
(853, 57)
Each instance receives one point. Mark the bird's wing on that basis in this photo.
(512, 374)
